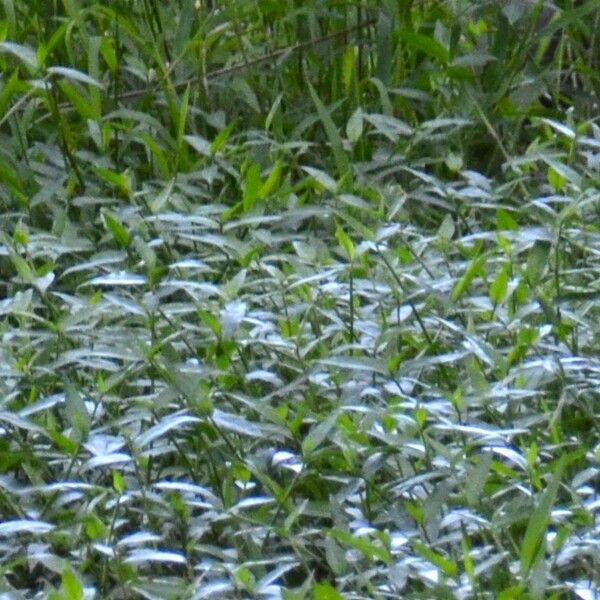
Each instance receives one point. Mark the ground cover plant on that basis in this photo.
(299, 299)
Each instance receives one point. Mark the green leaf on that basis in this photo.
(71, 586)
(325, 591)
(474, 486)
(161, 199)
(252, 185)
(354, 127)
(533, 541)
(556, 180)
(221, 138)
(368, 549)
(537, 262)
(118, 482)
(318, 434)
(349, 66)
(22, 267)
(426, 44)
(449, 567)
(77, 412)
(182, 122)
(121, 181)
(345, 242)
(272, 182)
(499, 286)
(474, 269)
(341, 159)
(273, 111)
(209, 319)
(117, 229)
(81, 103)
(505, 221)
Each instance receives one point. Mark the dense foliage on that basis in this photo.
(299, 299)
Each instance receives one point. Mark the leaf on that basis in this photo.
(183, 112)
(164, 426)
(447, 228)
(446, 565)
(537, 262)
(474, 269)
(21, 266)
(75, 75)
(241, 426)
(272, 182)
(23, 53)
(322, 178)
(121, 181)
(251, 187)
(426, 44)
(143, 555)
(71, 586)
(199, 144)
(325, 591)
(221, 138)
(231, 315)
(318, 434)
(474, 485)
(23, 526)
(388, 126)
(77, 412)
(341, 159)
(273, 111)
(499, 286)
(354, 127)
(538, 522)
(370, 550)
(345, 242)
(117, 229)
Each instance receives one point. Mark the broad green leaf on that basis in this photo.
(272, 182)
(22, 267)
(200, 145)
(162, 198)
(252, 186)
(369, 549)
(325, 591)
(533, 541)
(475, 268)
(474, 486)
(499, 286)
(447, 228)
(426, 44)
(71, 586)
(318, 434)
(345, 242)
(77, 412)
(447, 566)
(182, 122)
(81, 103)
(273, 111)
(349, 66)
(117, 229)
(221, 138)
(121, 181)
(556, 180)
(505, 221)
(537, 262)
(354, 127)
